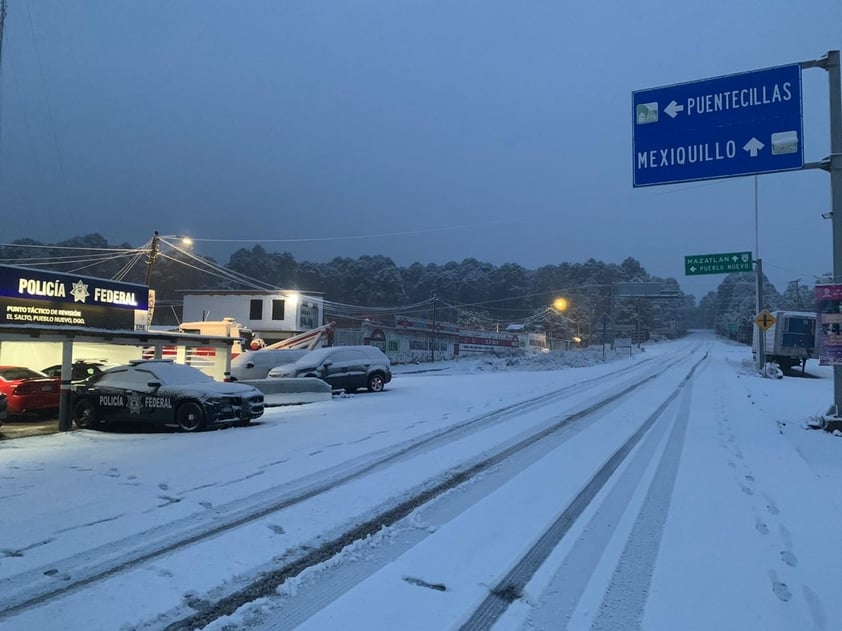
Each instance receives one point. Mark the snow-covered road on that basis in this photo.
(709, 522)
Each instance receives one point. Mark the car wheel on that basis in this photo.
(376, 383)
(84, 414)
(190, 417)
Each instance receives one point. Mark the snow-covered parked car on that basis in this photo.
(257, 364)
(162, 392)
(80, 370)
(346, 368)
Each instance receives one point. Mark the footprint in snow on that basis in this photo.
(789, 558)
(55, 574)
(168, 500)
(779, 588)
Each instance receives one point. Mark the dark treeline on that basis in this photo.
(470, 292)
(474, 293)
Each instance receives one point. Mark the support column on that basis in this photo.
(64, 420)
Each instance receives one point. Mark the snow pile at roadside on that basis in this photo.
(553, 360)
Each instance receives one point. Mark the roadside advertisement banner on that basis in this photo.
(829, 324)
(426, 326)
(485, 341)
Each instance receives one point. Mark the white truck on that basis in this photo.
(790, 341)
(227, 327)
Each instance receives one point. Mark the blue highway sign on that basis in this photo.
(740, 124)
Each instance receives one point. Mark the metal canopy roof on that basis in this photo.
(31, 333)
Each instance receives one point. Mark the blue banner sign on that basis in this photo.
(741, 124)
(53, 299)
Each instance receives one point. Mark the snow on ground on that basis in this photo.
(747, 541)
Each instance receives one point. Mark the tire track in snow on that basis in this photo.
(555, 607)
(512, 585)
(625, 600)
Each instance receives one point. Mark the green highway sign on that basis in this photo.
(717, 263)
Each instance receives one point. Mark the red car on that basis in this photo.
(28, 390)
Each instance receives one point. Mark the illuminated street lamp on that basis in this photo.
(560, 304)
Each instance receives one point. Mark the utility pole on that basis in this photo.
(433, 343)
(833, 164)
(151, 257)
(832, 66)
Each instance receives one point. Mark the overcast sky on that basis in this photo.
(423, 131)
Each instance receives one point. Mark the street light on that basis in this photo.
(560, 304)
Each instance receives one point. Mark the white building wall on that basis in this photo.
(301, 312)
(40, 355)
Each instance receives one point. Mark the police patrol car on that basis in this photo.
(162, 392)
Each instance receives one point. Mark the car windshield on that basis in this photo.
(315, 357)
(177, 374)
(267, 357)
(14, 373)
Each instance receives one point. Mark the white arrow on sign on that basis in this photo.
(735, 258)
(693, 269)
(673, 109)
(753, 146)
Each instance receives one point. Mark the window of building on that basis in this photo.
(256, 309)
(277, 309)
(308, 316)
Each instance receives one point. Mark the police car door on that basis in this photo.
(141, 398)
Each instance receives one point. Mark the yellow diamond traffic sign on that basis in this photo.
(764, 319)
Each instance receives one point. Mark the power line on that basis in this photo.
(375, 235)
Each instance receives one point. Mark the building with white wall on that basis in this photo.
(273, 316)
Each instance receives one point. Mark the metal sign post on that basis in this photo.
(761, 335)
(831, 63)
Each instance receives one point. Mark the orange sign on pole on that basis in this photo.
(764, 320)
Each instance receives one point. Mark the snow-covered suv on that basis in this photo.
(346, 368)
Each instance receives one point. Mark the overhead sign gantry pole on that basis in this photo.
(833, 164)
